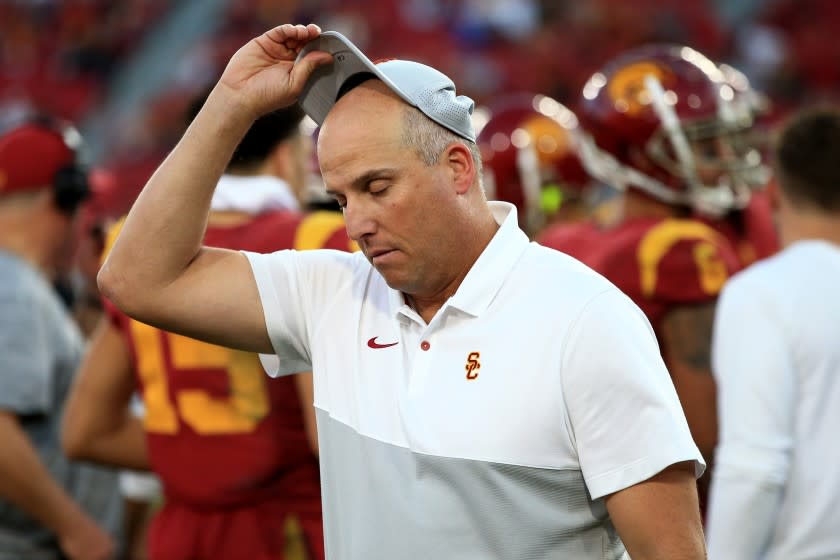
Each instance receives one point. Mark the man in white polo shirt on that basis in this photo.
(479, 396)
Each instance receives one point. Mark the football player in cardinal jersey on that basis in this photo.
(236, 451)
(662, 127)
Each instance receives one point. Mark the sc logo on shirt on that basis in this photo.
(473, 365)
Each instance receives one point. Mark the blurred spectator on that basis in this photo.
(49, 507)
(777, 364)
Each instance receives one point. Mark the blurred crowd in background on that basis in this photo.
(82, 59)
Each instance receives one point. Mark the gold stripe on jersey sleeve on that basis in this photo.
(658, 241)
(316, 228)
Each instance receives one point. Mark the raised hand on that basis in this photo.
(263, 76)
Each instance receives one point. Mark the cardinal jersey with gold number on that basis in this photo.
(223, 436)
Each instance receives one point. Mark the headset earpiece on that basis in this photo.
(70, 187)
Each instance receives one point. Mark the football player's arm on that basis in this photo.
(25, 482)
(686, 337)
(306, 396)
(98, 425)
(659, 519)
(757, 399)
(158, 271)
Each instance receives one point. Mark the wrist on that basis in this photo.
(224, 119)
(229, 107)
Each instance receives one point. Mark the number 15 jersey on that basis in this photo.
(220, 432)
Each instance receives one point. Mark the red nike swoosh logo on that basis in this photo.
(373, 344)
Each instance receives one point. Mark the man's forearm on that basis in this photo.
(659, 518)
(164, 231)
(25, 481)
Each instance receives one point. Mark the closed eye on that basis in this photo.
(378, 187)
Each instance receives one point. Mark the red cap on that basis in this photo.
(30, 156)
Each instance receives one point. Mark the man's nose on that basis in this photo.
(358, 220)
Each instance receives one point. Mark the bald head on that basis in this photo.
(370, 99)
(373, 99)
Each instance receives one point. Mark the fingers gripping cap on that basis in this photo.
(418, 85)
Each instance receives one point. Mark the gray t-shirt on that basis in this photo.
(40, 349)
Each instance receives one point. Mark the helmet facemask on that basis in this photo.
(714, 157)
(664, 120)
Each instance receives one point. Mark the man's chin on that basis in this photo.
(395, 280)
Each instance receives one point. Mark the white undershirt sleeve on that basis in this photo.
(756, 396)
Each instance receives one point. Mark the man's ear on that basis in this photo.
(459, 161)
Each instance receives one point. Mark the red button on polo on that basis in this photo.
(425, 345)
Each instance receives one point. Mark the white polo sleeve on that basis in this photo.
(757, 391)
(295, 289)
(625, 417)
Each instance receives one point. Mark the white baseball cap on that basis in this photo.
(418, 85)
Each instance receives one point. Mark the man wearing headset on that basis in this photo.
(50, 508)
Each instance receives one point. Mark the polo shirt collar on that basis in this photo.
(488, 273)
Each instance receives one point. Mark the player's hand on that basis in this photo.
(84, 540)
(263, 75)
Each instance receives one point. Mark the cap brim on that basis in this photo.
(321, 89)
